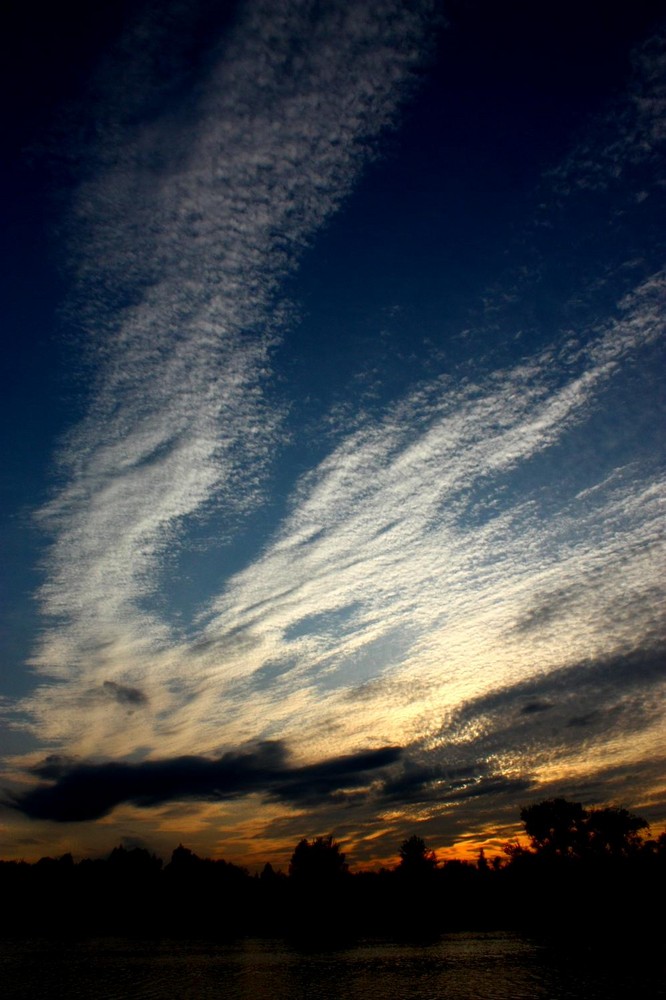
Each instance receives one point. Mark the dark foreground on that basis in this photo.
(459, 966)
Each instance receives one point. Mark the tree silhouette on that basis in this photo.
(614, 832)
(183, 859)
(415, 858)
(316, 861)
(556, 827)
(135, 861)
(268, 873)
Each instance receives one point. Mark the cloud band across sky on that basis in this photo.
(181, 236)
(89, 791)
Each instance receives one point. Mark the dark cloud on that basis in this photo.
(318, 781)
(434, 783)
(583, 721)
(55, 766)
(416, 782)
(615, 693)
(621, 784)
(86, 791)
(535, 706)
(124, 694)
(547, 609)
(410, 783)
(496, 784)
(490, 745)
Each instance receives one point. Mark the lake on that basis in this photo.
(460, 966)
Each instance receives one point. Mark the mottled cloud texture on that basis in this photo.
(182, 234)
(464, 574)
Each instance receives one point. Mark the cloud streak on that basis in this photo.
(181, 236)
(423, 563)
(411, 528)
(90, 791)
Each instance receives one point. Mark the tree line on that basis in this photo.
(592, 872)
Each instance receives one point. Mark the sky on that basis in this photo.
(332, 421)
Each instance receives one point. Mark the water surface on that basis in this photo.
(462, 966)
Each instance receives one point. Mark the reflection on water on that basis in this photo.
(495, 966)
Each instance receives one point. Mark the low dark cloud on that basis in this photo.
(497, 784)
(416, 782)
(124, 694)
(548, 609)
(491, 744)
(583, 721)
(413, 782)
(615, 693)
(88, 791)
(535, 706)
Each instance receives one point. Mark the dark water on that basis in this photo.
(495, 966)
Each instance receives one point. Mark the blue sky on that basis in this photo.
(333, 499)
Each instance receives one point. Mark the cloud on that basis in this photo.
(445, 542)
(505, 741)
(190, 212)
(433, 555)
(535, 706)
(123, 694)
(516, 745)
(593, 686)
(89, 791)
(628, 136)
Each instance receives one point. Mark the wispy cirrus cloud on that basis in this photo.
(430, 558)
(180, 235)
(413, 537)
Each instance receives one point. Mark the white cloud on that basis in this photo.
(388, 554)
(410, 572)
(180, 236)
